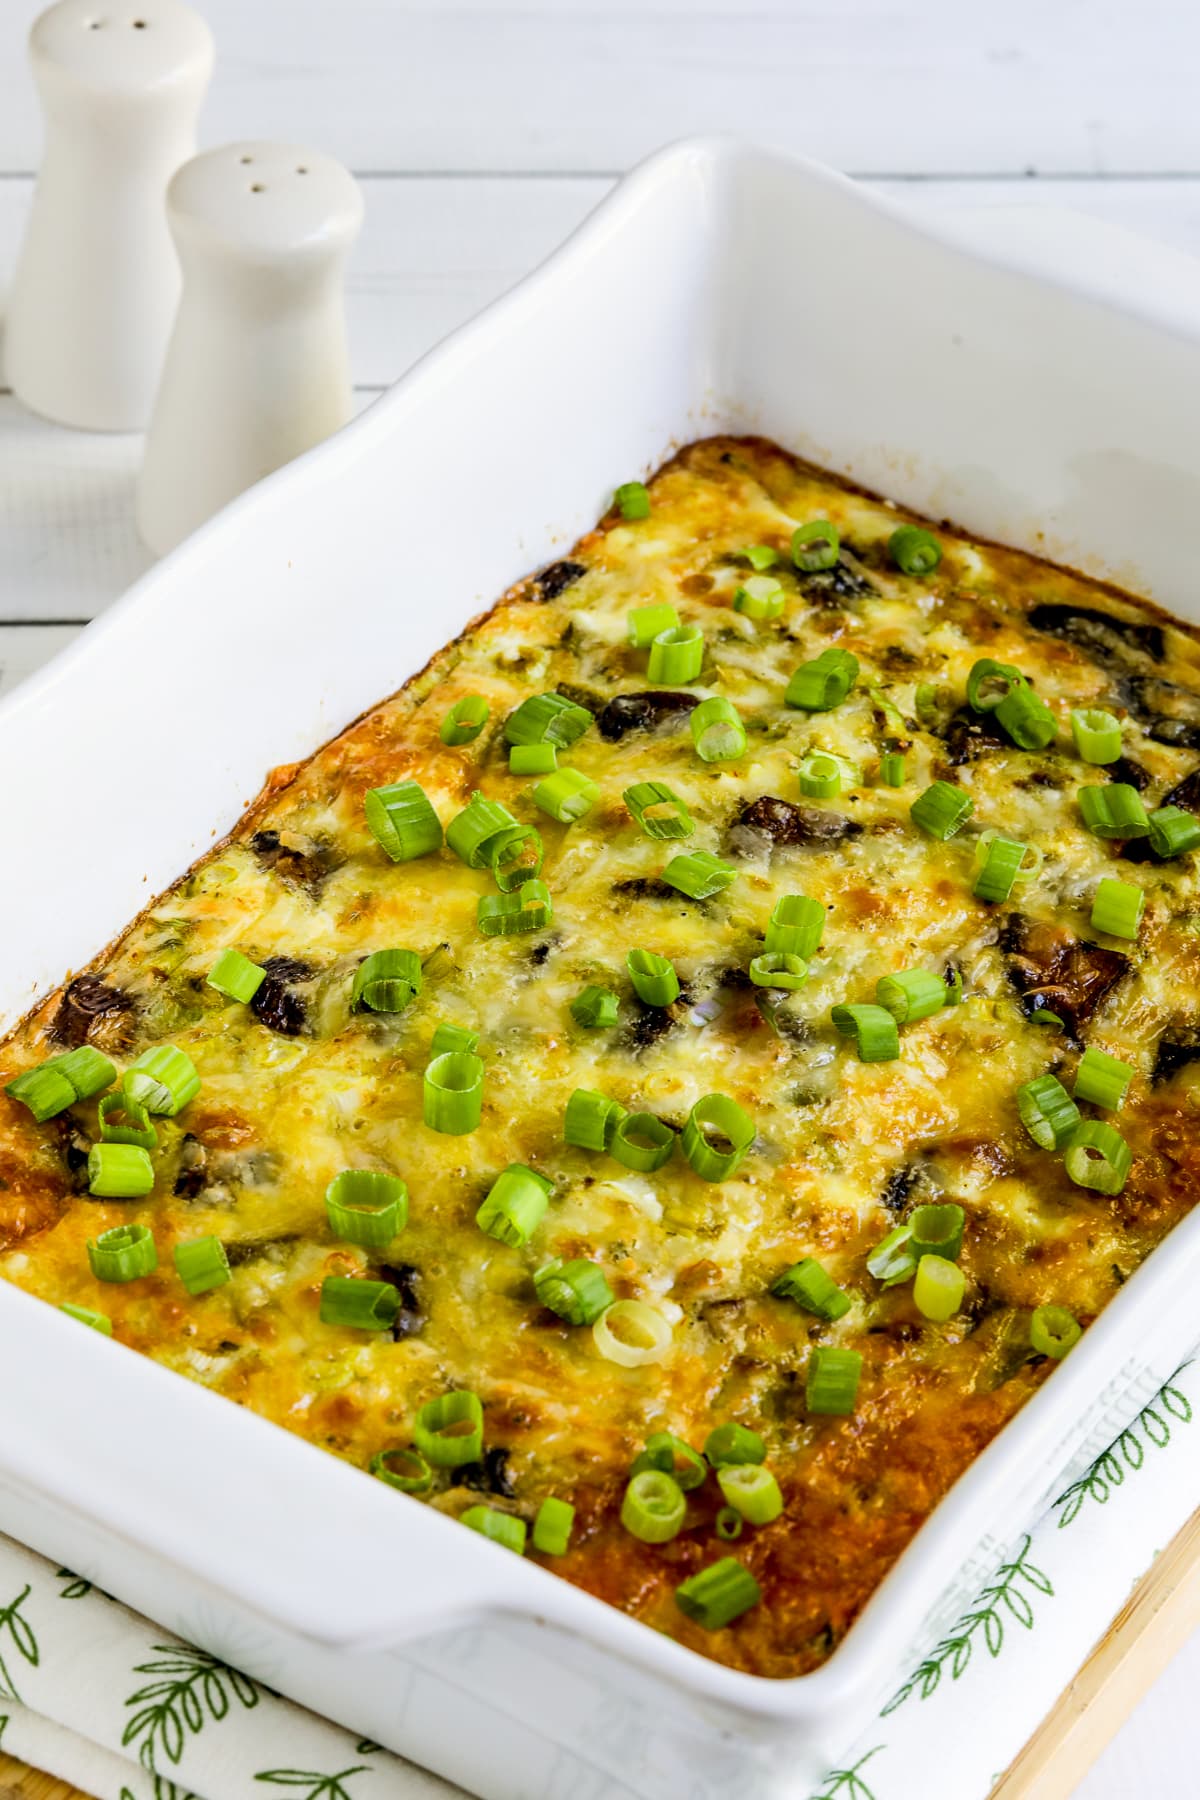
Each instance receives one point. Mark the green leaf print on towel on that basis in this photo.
(193, 1688)
(76, 1589)
(1127, 1453)
(1005, 1597)
(16, 1636)
(848, 1784)
(316, 1786)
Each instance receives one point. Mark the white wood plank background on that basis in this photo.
(485, 130)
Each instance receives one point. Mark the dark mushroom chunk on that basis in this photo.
(1106, 638)
(1066, 975)
(829, 587)
(411, 1318)
(645, 887)
(898, 1186)
(968, 734)
(249, 1250)
(1168, 713)
(1185, 793)
(275, 1003)
(1176, 1048)
(302, 867)
(644, 710)
(490, 1476)
(192, 1175)
(86, 1001)
(74, 1146)
(644, 1025)
(784, 824)
(1130, 772)
(557, 578)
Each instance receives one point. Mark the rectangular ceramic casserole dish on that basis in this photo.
(721, 289)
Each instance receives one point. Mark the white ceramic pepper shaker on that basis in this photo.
(121, 83)
(257, 369)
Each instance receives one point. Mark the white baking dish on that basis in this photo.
(720, 288)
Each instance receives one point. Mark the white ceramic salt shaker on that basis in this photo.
(257, 368)
(121, 83)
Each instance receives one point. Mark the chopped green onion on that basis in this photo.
(1117, 907)
(124, 1120)
(1173, 831)
(552, 1526)
(577, 1291)
(88, 1072)
(235, 976)
(717, 730)
(892, 1261)
(820, 776)
(891, 769)
(402, 821)
(632, 1333)
(776, 969)
(632, 500)
(448, 1431)
(125, 1253)
(654, 979)
(1098, 1157)
(732, 1443)
(676, 655)
(759, 597)
(202, 1265)
(515, 1205)
(729, 1524)
(528, 908)
(941, 809)
(503, 1528)
(547, 719)
(591, 1119)
(914, 551)
(752, 1491)
(465, 720)
(938, 1289)
(698, 874)
(796, 926)
(1047, 1111)
(654, 1507)
(816, 545)
(911, 995)
(402, 1468)
(163, 1080)
(822, 684)
(387, 981)
(119, 1171)
(659, 812)
(716, 1137)
(1001, 869)
(873, 1030)
(362, 1305)
(566, 795)
(1053, 1331)
(1113, 810)
(642, 1142)
(1026, 717)
(718, 1595)
(366, 1206)
(515, 857)
(983, 693)
(937, 1231)
(594, 1008)
(472, 833)
(1097, 735)
(832, 1381)
(532, 759)
(44, 1090)
(760, 556)
(1102, 1079)
(97, 1320)
(645, 623)
(453, 1092)
(665, 1451)
(452, 1037)
(808, 1284)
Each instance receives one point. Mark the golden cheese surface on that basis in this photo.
(296, 1086)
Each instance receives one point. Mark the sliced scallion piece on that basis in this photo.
(402, 1468)
(654, 979)
(831, 1384)
(387, 981)
(119, 1171)
(1097, 735)
(1117, 907)
(472, 832)
(124, 1120)
(448, 1036)
(733, 1443)
(402, 821)
(822, 684)
(796, 926)
(553, 1526)
(989, 682)
(1001, 869)
(515, 857)
(816, 545)
(892, 1260)
(501, 1527)
(453, 1092)
(717, 1137)
(665, 1451)
(595, 1008)
(938, 1288)
(760, 556)
(1053, 1331)
(645, 623)
(654, 1507)
(632, 500)
(577, 1290)
(729, 1524)
(941, 809)
(642, 1142)
(163, 1080)
(752, 1491)
(820, 776)
(1113, 810)
(97, 1320)
(699, 874)
(235, 976)
(659, 812)
(591, 1119)
(873, 1030)
(532, 759)
(527, 908)
(547, 719)
(515, 1205)
(125, 1253)
(1102, 1079)
(1047, 1111)
(632, 1333)
(1098, 1157)
(937, 1230)
(465, 720)
(202, 1265)
(366, 1206)
(774, 968)
(45, 1090)
(717, 730)
(891, 769)
(1173, 831)
(676, 655)
(566, 795)
(718, 1595)
(808, 1284)
(914, 550)
(1026, 717)
(448, 1431)
(361, 1305)
(759, 597)
(912, 994)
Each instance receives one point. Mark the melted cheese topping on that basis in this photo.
(296, 1088)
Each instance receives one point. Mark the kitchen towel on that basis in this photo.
(115, 1705)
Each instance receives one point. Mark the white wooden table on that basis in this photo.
(483, 131)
